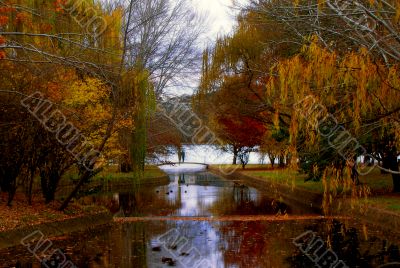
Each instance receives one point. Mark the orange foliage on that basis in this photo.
(6, 9)
(45, 28)
(59, 5)
(20, 17)
(2, 55)
(3, 20)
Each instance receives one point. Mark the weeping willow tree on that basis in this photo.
(356, 88)
(145, 108)
(340, 104)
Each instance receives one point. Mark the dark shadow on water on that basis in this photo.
(350, 246)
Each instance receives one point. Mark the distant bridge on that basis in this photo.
(182, 163)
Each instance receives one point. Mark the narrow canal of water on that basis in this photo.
(201, 220)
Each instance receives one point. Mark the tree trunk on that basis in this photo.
(385, 163)
(11, 191)
(11, 194)
(125, 167)
(88, 173)
(10, 186)
(30, 186)
(281, 161)
(235, 155)
(84, 177)
(394, 166)
(272, 160)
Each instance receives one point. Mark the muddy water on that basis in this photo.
(200, 220)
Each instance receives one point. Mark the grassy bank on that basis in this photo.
(111, 174)
(379, 184)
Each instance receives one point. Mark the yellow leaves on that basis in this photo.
(88, 91)
(270, 85)
(97, 113)
(282, 73)
(88, 100)
(397, 17)
(126, 123)
(365, 86)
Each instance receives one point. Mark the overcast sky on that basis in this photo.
(220, 21)
(221, 17)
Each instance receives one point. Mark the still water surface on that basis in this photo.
(177, 225)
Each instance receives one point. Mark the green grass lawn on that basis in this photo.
(391, 203)
(112, 174)
(286, 176)
(239, 167)
(380, 183)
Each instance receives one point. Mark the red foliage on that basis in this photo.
(242, 130)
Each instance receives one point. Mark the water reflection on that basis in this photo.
(355, 248)
(222, 244)
(190, 195)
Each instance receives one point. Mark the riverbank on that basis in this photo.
(21, 219)
(111, 180)
(380, 208)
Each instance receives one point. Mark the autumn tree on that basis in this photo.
(351, 95)
(339, 25)
(38, 39)
(344, 72)
(233, 75)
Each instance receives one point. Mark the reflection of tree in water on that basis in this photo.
(242, 200)
(134, 245)
(243, 244)
(257, 243)
(148, 202)
(355, 253)
(242, 194)
(128, 203)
